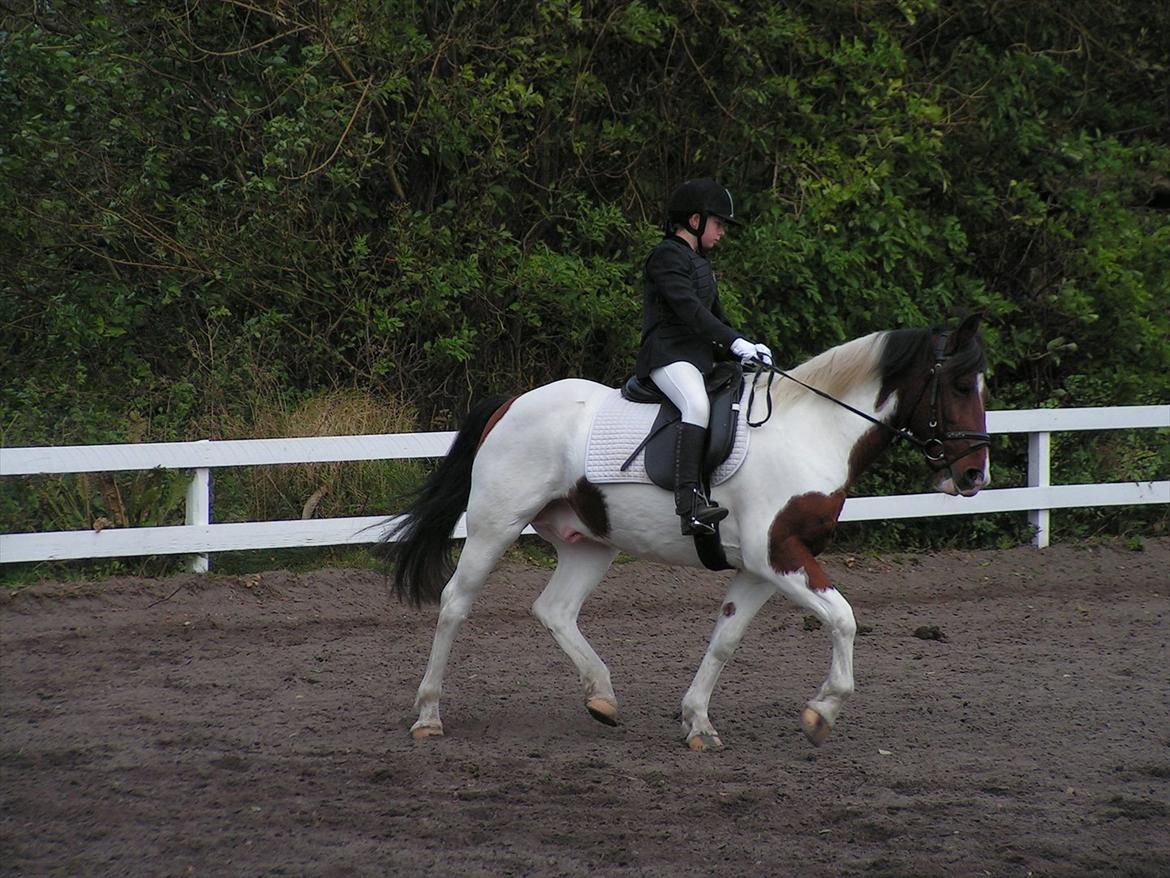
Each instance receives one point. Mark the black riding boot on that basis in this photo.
(697, 513)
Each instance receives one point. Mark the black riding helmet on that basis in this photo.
(704, 197)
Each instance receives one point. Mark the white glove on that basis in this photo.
(744, 349)
(749, 353)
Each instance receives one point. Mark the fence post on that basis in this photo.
(199, 510)
(1039, 476)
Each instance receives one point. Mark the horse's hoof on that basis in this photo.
(816, 727)
(602, 710)
(420, 732)
(704, 742)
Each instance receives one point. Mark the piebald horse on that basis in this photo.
(523, 461)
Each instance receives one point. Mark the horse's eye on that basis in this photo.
(964, 387)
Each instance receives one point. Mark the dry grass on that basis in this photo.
(324, 490)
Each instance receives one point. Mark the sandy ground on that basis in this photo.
(258, 726)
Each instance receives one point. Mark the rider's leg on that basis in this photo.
(683, 384)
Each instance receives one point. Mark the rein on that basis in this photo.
(932, 448)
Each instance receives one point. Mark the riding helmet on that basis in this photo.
(704, 197)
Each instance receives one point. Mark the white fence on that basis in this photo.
(199, 536)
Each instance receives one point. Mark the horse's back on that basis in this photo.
(576, 397)
(547, 428)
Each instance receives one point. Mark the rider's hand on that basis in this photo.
(749, 353)
(744, 350)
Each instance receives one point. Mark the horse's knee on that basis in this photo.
(722, 649)
(845, 623)
(838, 615)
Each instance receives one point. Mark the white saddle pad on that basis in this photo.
(620, 425)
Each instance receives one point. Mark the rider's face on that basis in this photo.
(713, 233)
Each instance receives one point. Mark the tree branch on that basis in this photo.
(344, 134)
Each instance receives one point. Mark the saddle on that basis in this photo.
(724, 388)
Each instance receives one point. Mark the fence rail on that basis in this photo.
(199, 536)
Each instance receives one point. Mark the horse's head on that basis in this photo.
(930, 391)
(949, 420)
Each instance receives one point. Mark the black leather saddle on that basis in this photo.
(724, 387)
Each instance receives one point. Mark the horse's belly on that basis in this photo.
(643, 524)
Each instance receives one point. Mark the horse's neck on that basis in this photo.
(840, 443)
(820, 417)
(871, 440)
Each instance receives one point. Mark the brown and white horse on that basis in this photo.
(523, 461)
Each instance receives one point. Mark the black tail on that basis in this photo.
(420, 545)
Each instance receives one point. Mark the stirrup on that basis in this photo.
(692, 526)
(702, 517)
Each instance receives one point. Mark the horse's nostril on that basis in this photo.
(973, 476)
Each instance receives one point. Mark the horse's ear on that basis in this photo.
(966, 332)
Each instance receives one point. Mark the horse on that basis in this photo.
(521, 461)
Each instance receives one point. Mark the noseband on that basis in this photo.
(933, 447)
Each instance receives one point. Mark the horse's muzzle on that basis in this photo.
(963, 483)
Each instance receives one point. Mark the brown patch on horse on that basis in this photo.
(868, 448)
(588, 502)
(800, 531)
(495, 419)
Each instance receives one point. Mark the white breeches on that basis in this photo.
(683, 385)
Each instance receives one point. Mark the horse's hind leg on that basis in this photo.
(580, 567)
(480, 554)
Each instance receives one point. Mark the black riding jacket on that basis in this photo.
(681, 315)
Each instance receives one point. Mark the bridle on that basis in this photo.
(933, 447)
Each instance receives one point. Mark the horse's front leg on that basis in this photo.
(809, 586)
(821, 712)
(745, 596)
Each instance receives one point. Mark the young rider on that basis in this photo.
(683, 329)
